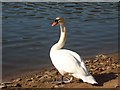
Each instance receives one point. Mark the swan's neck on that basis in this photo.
(62, 39)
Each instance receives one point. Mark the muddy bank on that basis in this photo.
(103, 67)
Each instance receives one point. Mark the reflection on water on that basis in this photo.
(28, 35)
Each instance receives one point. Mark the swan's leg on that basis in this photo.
(68, 80)
(61, 81)
(64, 81)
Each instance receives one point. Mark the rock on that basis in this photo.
(110, 59)
(55, 86)
(47, 72)
(17, 80)
(3, 86)
(113, 67)
(102, 69)
(104, 57)
(28, 80)
(116, 86)
(6, 83)
(96, 69)
(12, 85)
(107, 67)
(97, 56)
(113, 64)
(53, 73)
(101, 56)
(38, 76)
(87, 61)
(95, 60)
(32, 78)
(34, 86)
(93, 67)
(45, 78)
(17, 85)
(101, 63)
(118, 65)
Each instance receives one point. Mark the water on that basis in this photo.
(28, 35)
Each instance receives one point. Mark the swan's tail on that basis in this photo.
(88, 78)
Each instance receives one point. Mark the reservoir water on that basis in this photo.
(27, 35)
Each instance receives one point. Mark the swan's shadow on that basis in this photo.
(105, 77)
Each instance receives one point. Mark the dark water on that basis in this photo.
(28, 35)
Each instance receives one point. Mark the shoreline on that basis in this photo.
(26, 72)
(102, 66)
(44, 67)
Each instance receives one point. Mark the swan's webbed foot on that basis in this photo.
(64, 81)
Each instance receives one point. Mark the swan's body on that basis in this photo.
(67, 61)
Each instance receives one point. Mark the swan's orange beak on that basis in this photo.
(54, 23)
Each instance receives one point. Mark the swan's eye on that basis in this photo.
(56, 21)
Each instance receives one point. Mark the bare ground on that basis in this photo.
(104, 68)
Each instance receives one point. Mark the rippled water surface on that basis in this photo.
(28, 35)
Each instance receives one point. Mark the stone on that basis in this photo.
(118, 65)
(102, 69)
(6, 83)
(3, 86)
(38, 76)
(17, 85)
(104, 57)
(32, 78)
(107, 67)
(55, 86)
(17, 80)
(28, 80)
(101, 63)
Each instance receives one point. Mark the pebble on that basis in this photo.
(101, 56)
(18, 79)
(102, 69)
(113, 67)
(107, 67)
(116, 86)
(3, 86)
(38, 76)
(101, 64)
(113, 64)
(28, 80)
(45, 76)
(32, 78)
(55, 86)
(53, 73)
(104, 57)
(91, 69)
(110, 59)
(118, 65)
(6, 83)
(17, 85)
(95, 60)
(87, 61)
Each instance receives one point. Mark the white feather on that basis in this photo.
(67, 61)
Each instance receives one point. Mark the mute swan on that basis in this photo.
(67, 61)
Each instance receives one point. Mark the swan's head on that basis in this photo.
(58, 20)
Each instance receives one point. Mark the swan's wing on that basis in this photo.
(65, 62)
(81, 61)
(84, 67)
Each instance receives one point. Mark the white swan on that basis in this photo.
(67, 61)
